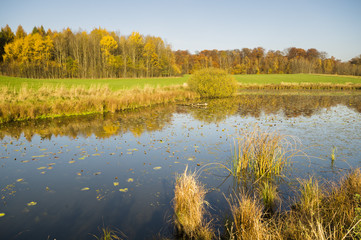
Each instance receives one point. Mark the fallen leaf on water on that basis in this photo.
(97, 173)
(39, 168)
(96, 154)
(190, 159)
(47, 188)
(25, 161)
(116, 184)
(44, 149)
(2, 214)
(43, 172)
(20, 180)
(157, 168)
(130, 180)
(32, 204)
(38, 156)
(71, 162)
(85, 189)
(79, 174)
(123, 190)
(51, 164)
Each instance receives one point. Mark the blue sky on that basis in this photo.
(327, 25)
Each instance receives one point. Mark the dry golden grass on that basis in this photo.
(28, 103)
(249, 221)
(332, 214)
(189, 207)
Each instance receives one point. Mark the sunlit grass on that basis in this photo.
(189, 207)
(248, 220)
(112, 83)
(28, 103)
(259, 154)
(332, 213)
(296, 78)
(127, 83)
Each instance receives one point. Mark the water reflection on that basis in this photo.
(57, 158)
(139, 121)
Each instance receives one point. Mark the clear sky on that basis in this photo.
(333, 26)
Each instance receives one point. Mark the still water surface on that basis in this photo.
(65, 178)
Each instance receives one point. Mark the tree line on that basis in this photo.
(104, 54)
(260, 61)
(99, 54)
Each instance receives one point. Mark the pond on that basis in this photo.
(66, 178)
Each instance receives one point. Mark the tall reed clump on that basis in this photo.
(332, 213)
(248, 220)
(189, 207)
(329, 214)
(261, 154)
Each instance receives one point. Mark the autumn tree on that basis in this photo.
(6, 36)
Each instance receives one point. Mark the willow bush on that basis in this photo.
(212, 83)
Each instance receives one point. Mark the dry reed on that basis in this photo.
(189, 207)
(28, 103)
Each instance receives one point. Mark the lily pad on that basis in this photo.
(32, 204)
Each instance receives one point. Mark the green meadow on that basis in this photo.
(296, 78)
(112, 83)
(128, 83)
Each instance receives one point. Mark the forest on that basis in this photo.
(107, 54)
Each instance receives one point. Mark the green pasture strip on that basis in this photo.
(112, 83)
(128, 83)
(296, 78)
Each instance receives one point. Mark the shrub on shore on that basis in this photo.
(212, 83)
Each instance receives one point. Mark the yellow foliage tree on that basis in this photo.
(108, 45)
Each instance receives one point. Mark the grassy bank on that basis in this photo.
(23, 98)
(28, 103)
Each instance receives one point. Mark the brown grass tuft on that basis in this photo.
(189, 207)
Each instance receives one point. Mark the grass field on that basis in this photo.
(112, 83)
(128, 83)
(296, 78)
